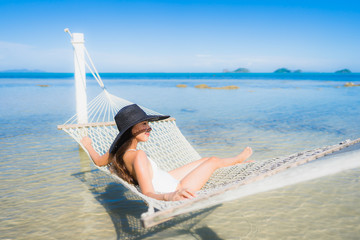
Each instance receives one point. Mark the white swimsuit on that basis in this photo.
(163, 182)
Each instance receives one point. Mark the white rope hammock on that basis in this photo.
(169, 148)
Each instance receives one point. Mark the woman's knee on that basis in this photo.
(215, 161)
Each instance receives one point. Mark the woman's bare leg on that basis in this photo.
(196, 179)
(181, 172)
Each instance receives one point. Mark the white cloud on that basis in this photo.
(23, 56)
(203, 55)
(10, 45)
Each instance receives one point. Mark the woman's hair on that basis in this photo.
(118, 164)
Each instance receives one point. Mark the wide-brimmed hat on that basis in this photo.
(126, 118)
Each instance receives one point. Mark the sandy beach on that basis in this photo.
(47, 182)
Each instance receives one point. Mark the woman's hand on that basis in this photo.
(98, 160)
(86, 141)
(180, 194)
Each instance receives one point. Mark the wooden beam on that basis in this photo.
(98, 124)
(85, 125)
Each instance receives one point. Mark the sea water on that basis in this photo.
(50, 191)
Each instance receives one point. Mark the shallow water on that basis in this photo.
(49, 190)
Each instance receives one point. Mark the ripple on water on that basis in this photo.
(48, 190)
(318, 209)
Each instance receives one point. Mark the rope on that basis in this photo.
(90, 67)
(95, 72)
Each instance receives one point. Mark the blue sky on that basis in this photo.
(182, 36)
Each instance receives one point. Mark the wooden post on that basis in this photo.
(80, 77)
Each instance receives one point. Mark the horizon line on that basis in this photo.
(88, 73)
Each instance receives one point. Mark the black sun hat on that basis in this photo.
(126, 118)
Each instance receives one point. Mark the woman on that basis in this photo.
(135, 167)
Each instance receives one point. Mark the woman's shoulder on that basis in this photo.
(137, 156)
(140, 154)
(140, 160)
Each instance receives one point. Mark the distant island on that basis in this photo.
(282, 70)
(285, 70)
(343, 71)
(23, 70)
(242, 70)
(239, 70)
(246, 70)
(279, 70)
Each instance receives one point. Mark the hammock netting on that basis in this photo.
(169, 148)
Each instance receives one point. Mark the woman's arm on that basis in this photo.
(98, 160)
(142, 167)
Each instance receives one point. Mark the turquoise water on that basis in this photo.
(50, 191)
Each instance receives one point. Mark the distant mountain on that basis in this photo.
(24, 70)
(282, 70)
(239, 70)
(242, 70)
(345, 70)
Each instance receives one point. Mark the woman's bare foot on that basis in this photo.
(245, 154)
